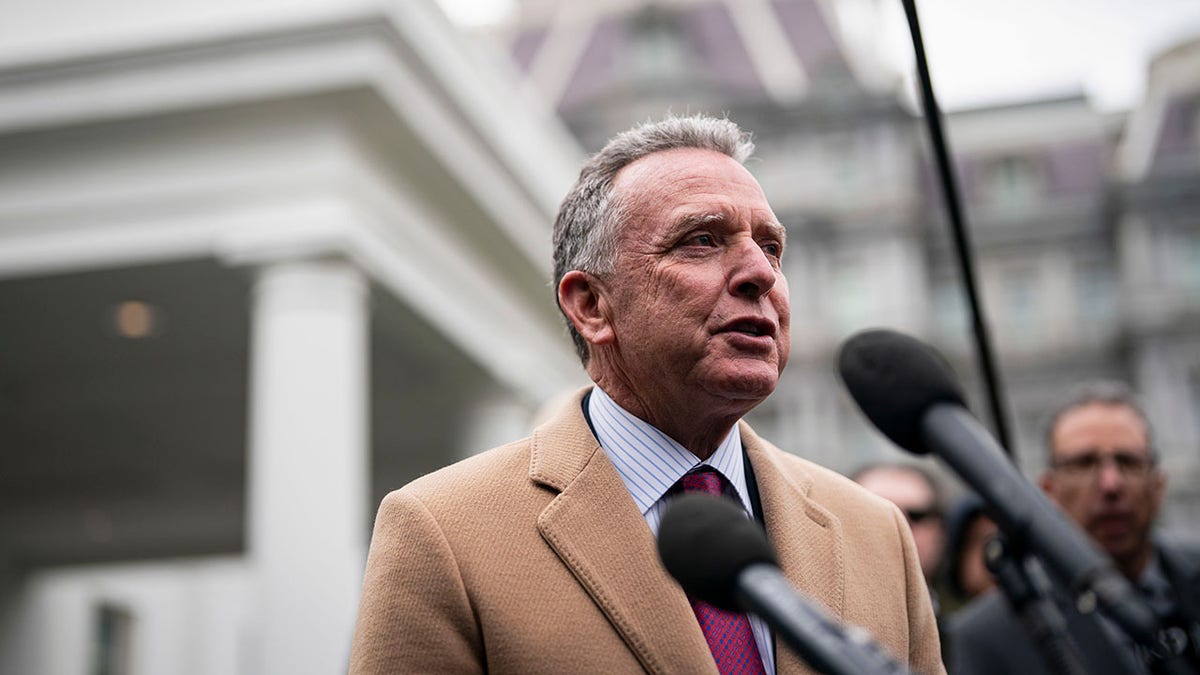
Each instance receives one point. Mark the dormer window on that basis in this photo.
(1011, 181)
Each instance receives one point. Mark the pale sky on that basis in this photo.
(991, 51)
(999, 51)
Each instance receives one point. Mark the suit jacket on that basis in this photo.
(987, 638)
(533, 558)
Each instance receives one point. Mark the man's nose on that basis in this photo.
(1109, 476)
(753, 273)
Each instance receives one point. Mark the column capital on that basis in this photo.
(324, 231)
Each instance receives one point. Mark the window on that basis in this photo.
(950, 309)
(1020, 305)
(657, 50)
(1010, 181)
(113, 632)
(1193, 384)
(1095, 293)
(841, 162)
(850, 294)
(1190, 261)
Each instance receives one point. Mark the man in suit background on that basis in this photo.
(539, 556)
(1103, 472)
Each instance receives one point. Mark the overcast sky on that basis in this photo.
(997, 51)
(991, 51)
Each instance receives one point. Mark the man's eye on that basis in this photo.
(772, 249)
(1130, 462)
(703, 240)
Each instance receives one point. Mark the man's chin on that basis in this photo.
(1117, 543)
(746, 385)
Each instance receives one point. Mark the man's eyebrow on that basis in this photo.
(699, 219)
(777, 230)
(691, 221)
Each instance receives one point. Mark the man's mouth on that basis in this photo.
(750, 327)
(1110, 524)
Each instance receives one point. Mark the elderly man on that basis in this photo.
(1103, 473)
(539, 556)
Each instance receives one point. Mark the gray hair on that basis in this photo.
(590, 217)
(1104, 392)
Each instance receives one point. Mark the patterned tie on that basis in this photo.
(728, 633)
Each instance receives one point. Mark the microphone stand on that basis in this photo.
(1040, 617)
(1024, 582)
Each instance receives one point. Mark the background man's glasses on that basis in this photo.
(1129, 464)
(917, 515)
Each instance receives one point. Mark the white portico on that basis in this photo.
(259, 263)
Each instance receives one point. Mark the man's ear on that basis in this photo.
(582, 298)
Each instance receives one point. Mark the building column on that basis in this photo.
(308, 463)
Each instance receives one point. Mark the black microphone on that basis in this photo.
(721, 556)
(910, 393)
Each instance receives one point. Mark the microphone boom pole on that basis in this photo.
(950, 193)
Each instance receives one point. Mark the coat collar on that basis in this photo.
(596, 530)
(599, 534)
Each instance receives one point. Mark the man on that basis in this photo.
(916, 494)
(539, 556)
(1103, 473)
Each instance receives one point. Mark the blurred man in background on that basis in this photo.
(1103, 472)
(916, 493)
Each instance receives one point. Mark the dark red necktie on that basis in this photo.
(728, 633)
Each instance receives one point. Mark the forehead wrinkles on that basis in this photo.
(665, 192)
(697, 173)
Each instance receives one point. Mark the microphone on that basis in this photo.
(722, 557)
(908, 390)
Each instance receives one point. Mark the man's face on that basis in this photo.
(1103, 478)
(698, 303)
(916, 499)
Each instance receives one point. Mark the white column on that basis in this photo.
(494, 416)
(308, 467)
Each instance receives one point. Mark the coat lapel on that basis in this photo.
(1183, 571)
(807, 538)
(596, 530)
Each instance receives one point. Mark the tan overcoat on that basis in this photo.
(533, 558)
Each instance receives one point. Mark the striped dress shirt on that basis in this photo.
(650, 462)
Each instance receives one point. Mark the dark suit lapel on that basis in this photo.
(1183, 571)
(1103, 652)
(807, 538)
(596, 530)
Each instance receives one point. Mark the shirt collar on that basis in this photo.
(649, 462)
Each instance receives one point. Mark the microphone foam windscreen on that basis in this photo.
(895, 379)
(705, 542)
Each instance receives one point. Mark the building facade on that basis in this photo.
(259, 264)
